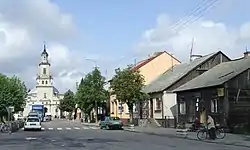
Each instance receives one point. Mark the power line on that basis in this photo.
(195, 14)
(191, 13)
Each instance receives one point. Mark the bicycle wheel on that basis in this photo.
(201, 135)
(220, 134)
(6, 128)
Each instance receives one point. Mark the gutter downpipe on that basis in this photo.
(162, 105)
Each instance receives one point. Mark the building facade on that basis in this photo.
(163, 102)
(222, 92)
(44, 92)
(150, 68)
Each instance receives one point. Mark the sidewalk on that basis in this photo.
(230, 139)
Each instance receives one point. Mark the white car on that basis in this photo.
(33, 123)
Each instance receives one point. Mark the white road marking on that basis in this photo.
(43, 128)
(30, 138)
(59, 128)
(50, 128)
(22, 128)
(76, 128)
(68, 128)
(93, 127)
(85, 127)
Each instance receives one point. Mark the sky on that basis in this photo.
(110, 34)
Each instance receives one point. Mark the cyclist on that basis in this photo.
(211, 127)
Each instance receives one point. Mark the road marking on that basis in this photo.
(59, 128)
(22, 128)
(85, 127)
(68, 128)
(93, 127)
(30, 138)
(50, 128)
(43, 128)
(76, 128)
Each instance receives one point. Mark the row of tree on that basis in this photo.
(90, 94)
(13, 92)
(126, 84)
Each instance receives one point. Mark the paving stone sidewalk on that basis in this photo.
(230, 139)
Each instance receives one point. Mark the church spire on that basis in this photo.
(44, 53)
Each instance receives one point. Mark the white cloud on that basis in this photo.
(209, 36)
(22, 32)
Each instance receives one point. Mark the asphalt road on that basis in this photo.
(80, 137)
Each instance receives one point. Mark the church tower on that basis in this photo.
(44, 77)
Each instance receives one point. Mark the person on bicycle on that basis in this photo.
(211, 127)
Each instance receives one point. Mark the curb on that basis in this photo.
(187, 138)
(95, 125)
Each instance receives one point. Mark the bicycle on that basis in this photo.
(203, 133)
(5, 128)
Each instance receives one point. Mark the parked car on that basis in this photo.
(111, 123)
(33, 123)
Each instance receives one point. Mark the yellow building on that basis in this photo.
(150, 68)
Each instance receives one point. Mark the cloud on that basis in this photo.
(22, 32)
(209, 36)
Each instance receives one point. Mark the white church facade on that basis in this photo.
(44, 92)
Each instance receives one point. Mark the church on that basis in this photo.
(44, 92)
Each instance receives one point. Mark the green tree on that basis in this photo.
(68, 102)
(13, 92)
(91, 92)
(127, 86)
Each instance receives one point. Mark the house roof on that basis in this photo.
(217, 75)
(146, 61)
(174, 74)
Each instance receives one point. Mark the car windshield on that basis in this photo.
(33, 120)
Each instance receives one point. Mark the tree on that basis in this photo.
(91, 92)
(13, 92)
(127, 86)
(68, 103)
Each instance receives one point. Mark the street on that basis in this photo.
(65, 135)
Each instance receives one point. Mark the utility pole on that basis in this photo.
(191, 50)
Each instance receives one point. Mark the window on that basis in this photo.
(46, 82)
(182, 108)
(44, 70)
(45, 95)
(197, 104)
(126, 109)
(214, 106)
(112, 107)
(158, 104)
(42, 82)
(33, 120)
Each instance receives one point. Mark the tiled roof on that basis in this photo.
(144, 62)
(217, 75)
(174, 74)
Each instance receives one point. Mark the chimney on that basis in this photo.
(246, 54)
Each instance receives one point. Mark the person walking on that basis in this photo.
(211, 127)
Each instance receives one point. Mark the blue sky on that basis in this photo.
(110, 30)
(118, 25)
(115, 27)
